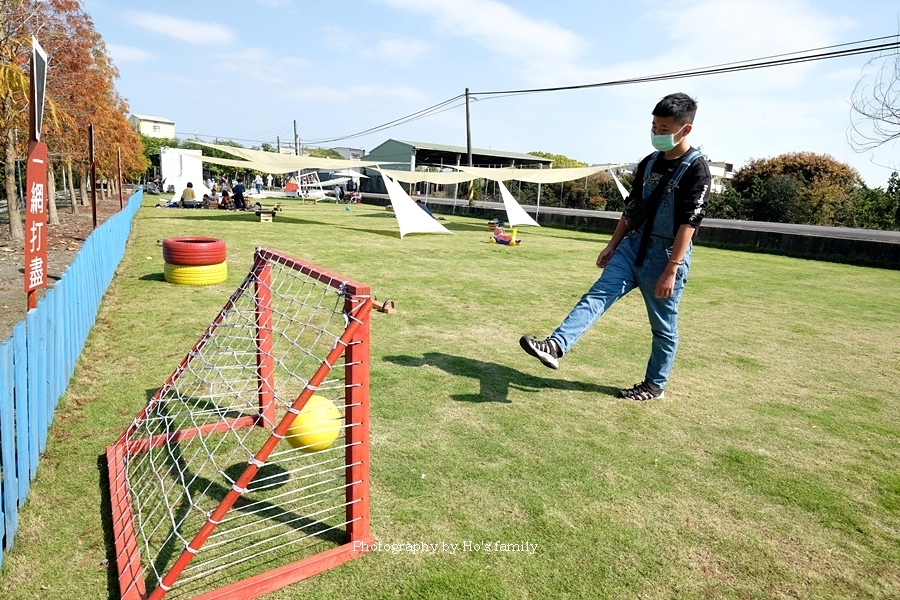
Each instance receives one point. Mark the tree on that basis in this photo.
(728, 204)
(14, 86)
(875, 208)
(80, 90)
(325, 153)
(798, 187)
(875, 106)
(595, 192)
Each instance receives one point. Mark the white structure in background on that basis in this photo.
(350, 153)
(720, 171)
(158, 127)
(178, 166)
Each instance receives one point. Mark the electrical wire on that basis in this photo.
(776, 60)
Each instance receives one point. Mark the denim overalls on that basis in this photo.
(621, 275)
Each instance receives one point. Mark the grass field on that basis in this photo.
(770, 470)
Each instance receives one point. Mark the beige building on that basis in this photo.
(158, 127)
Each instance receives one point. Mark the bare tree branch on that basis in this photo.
(875, 106)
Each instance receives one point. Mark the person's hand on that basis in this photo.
(665, 285)
(604, 256)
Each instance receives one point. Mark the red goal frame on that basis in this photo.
(354, 346)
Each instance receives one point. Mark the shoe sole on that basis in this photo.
(546, 359)
(633, 399)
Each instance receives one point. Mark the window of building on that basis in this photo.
(156, 129)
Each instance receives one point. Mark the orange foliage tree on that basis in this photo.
(80, 91)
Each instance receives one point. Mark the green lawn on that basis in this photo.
(770, 470)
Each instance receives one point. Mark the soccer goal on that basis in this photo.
(214, 494)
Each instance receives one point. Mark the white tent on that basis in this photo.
(410, 217)
(515, 214)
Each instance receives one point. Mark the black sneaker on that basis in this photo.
(546, 351)
(642, 391)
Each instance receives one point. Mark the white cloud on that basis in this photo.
(192, 32)
(259, 65)
(706, 32)
(125, 54)
(542, 47)
(399, 51)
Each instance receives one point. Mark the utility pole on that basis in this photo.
(296, 140)
(469, 148)
(468, 130)
(278, 143)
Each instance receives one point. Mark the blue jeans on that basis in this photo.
(620, 277)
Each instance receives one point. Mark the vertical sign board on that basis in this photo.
(36, 180)
(36, 218)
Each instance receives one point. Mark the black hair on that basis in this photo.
(680, 106)
(190, 184)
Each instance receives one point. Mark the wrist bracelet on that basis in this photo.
(676, 262)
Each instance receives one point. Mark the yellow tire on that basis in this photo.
(196, 275)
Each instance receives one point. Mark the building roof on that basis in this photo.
(481, 151)
(152, 118)
(428, 153)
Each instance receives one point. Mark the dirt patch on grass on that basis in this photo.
(63, 242)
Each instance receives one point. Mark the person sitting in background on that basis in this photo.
(227, 203)
(188, 197)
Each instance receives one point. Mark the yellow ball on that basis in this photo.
(316, 427)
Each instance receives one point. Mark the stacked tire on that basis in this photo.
(194, 260)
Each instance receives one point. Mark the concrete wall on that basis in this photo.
(835, 244)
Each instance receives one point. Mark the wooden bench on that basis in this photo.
(265, 216)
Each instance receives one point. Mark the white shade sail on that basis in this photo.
(536, 175)
(284, 163)
(515, 214)
(619, 185)
(410, 217)
(431, 177)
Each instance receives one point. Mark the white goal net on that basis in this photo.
(217, 490)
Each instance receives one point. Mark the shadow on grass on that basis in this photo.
(467, 227)
(153, 277)
(494, 379)
(391, 234)
(244, 217)
(109, 538)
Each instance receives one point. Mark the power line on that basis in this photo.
(777, 60)
(425, 112)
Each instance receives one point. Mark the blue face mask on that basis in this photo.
(665, 141)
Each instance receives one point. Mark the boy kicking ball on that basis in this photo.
(649, 250)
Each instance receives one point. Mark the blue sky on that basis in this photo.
(246, 69)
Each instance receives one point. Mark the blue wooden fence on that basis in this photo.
(37, 362)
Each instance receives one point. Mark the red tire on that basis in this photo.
(193, 251)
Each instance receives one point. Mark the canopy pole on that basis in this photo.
(455, 186)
